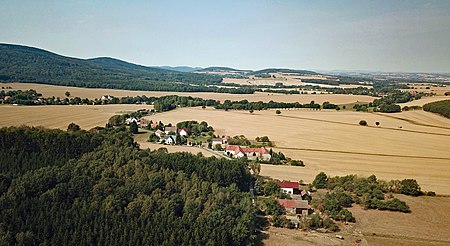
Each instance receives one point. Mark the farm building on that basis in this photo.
(294, 206)
(169, 129)
(289, 187)
(221, 141)
(251, 153)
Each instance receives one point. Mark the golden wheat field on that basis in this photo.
(59, 116)
(58, 91)
(333, 142)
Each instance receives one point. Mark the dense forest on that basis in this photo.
(32, 65)
(118, 194)
(23, 149)
(440, 107)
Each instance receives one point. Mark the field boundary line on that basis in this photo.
(350, 124)
(414, 122)
(364, 153)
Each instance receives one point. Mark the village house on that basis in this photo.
(221, 141)
(169, 129)
(159, 133)
(144, 123)
(107, 98)
(154, 124)
(289, 187)
(295, 206)
(251, 153)
(131, 119)
(183, 132)
(169, 139)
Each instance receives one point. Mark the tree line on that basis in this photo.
(440, 107)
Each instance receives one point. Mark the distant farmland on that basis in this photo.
(58, 91)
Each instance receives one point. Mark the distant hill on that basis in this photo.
(27, 64)
(222, 69)
(185, 69)
(283, 70)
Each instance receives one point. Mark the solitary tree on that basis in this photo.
(377, 123)
(67, 94)
(320, 181)
(134, 127)
(278, 112)
(251, 111)
(363, 123)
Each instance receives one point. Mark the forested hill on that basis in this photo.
(117, 194)
(27, 64)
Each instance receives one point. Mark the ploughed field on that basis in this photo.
(58, 91)
(335, 143)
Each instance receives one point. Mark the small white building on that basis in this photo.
(183, 132)
(170, 139)
(159, 133)
(132, 119)
(221, 141)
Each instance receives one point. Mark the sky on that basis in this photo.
(372, 35)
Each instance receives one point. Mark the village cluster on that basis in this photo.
(171, 135)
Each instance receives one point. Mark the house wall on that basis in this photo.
(288, 190)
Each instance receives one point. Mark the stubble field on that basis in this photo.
(59, 116)
(58, 91)
(333, 142)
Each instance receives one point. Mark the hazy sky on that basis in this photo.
(392, 35)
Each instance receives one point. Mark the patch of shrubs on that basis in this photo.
(369, 192)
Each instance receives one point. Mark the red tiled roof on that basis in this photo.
(238, 149)
(286, 184)
(287, 203)
(185, 129)
(293, 203)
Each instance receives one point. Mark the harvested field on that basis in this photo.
(59, 116)
(424, 100)
(58, 91)
(427, 224)
(438, 90)
(288, 80)
(333, 142)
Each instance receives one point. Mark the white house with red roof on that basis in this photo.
(289, 187)
(183, 132)
(251, 153)
(221, 141)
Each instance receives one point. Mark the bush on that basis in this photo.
(297, 163)
(72, 127)
(410, 187)
(391, 205)
(363, 123)
(278, 112)
(390, 108)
